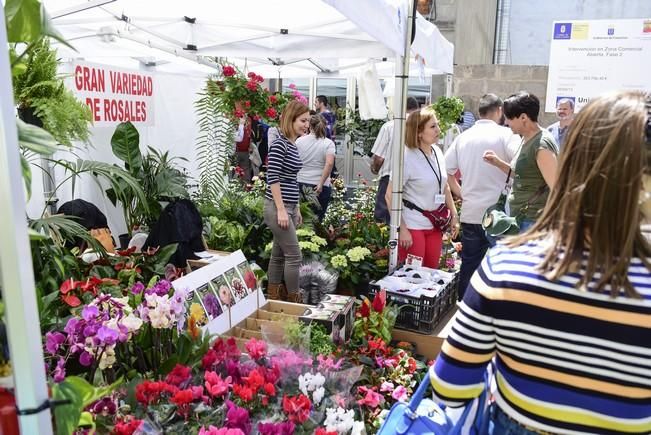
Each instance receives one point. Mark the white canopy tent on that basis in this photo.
(192, 29)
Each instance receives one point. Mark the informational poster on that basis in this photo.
(588, 58)
(223, 293)
(113, 94)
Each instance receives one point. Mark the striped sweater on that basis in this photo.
(282, 167)
(567, 361)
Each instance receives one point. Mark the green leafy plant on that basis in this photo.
(156, 173)
(448, 110)
(43, 99)
(78, 395)
(362, 133)
(375, 319)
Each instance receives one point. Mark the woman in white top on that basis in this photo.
(317, 154)
(425, 190)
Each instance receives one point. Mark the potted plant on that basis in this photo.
(158, 176)
(43, 99)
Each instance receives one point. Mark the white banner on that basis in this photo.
(114, 94)
(588, 58)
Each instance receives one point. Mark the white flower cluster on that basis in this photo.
(358, 253)
(309, 383)
(341, 421)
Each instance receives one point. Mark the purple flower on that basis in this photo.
(212, 305)
(233, 370)
(237, 418)
(89, 312)
(71, 326)
(85, 359)
(60, 371)
(285, 428)
(105, 406)
(90, 329)
(107, 335)
(137, 288)
(53, 340)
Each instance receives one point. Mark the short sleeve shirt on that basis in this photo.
(382, 147)
(313, 152)
(528, 179)
(421, 185)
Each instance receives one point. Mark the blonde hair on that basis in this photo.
(318, 126)
(292, 110)
(594, 205)
(416, 124)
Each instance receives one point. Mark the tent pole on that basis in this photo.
(397, 148)
(16, 273)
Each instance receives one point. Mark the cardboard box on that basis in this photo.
(347, 308)
(196, 264)
(427, 345)
(329, 318)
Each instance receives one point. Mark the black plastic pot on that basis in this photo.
(124, 240)
(28, 116)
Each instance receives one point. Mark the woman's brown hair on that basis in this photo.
(318, 126)
(292, 110)
(416, 124)
(594, 206)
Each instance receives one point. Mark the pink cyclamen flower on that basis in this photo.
(387, 387)
(400, 394)
(215, 385)
(212, 430)
(371, 399)
(257, 349)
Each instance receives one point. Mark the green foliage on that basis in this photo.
(41, 93)
(361, 133)
(80, 394)
(156, 173)
(312, 337)
(228, 236)
(214, 144)
(448, 110)
(28, 22)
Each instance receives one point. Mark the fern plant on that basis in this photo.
(40, 93)
(214, 144)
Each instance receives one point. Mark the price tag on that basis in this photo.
(439, 199)
(414, 260)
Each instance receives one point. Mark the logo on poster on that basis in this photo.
(611, 30)
(646, 27)
(562, 30)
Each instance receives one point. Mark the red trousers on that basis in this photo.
(427, 245)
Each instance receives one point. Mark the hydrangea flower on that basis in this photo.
(358, 253)
(339, 261)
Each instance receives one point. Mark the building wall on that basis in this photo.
(473, 81)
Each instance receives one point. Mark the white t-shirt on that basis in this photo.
(382, 147)
(481, 182)
(313, 152)
(421, 185)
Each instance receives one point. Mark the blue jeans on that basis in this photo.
(474, 246)
(501, 424)
(382, 213)
(526, 224)
(323, 198)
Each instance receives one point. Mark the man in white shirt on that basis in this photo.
(482, 183)
(381, 163)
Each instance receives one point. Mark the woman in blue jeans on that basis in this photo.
(564, 309)
(317, 154)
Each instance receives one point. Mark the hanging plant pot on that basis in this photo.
(28, 115)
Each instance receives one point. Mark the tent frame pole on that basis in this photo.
(397, 148)
(16, 272)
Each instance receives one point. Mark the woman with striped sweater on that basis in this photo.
(565, 308)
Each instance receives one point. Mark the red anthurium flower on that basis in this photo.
(365, 309)
(379, 301)
(71, 300)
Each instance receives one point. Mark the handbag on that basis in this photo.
(496, 222)
(424, 416)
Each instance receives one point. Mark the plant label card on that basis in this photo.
(196, 309)
(210, 301)
(223, 291)
(236, 284)
(248, 277)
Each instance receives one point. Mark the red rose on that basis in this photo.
(251, 75)
(228, 71)
(252, 85)
(239, 113)
(271, 112)
(273, 99)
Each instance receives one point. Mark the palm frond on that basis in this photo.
(61, 228)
